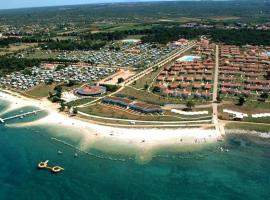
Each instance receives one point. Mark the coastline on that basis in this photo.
(92, 132)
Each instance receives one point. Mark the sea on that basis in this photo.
(239, 172)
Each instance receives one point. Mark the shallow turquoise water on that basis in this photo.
(241, 173)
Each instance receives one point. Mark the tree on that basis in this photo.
(264, 95)
(241, 101)
(69, 106)
(120, 80)
(75, 111)
(268, 75)
(190, 105)
(58, 90)
(62, 107)
(156, 89)
(71, 83)
(146, 86)
(50, 94)
(219, 99)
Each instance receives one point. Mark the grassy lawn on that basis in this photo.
(42, 55)
(149, 97)
(130, 26)
(135, 36)
(109, 111)
(251, 107)
(147, 79)
(14, 48)
(81, 101)
(248, 107)
(40, 90)
(245, 126)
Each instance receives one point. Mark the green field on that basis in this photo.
(150, 97)
(40, 90)
(113, 112)
(246, 126)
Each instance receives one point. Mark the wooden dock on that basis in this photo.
(3, 120)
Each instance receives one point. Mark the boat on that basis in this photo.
(59, 152)
(43, 165)
(75, 155)
(56, 169)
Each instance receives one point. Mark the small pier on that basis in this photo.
(3, 120)
(54, 170)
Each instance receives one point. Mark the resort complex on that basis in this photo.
(135, 100)
(199, 81)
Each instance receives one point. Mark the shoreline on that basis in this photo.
(142, 137)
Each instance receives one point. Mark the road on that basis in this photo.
(130, 80)
(219, 126)
(215, 87)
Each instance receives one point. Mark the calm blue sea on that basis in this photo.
(241, 173)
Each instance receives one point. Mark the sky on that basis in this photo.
(8, 4)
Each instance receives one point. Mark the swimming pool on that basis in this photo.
(188, 58)
(268, 53)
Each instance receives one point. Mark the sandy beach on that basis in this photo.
(146, 138)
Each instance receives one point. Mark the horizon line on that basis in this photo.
(114, 2)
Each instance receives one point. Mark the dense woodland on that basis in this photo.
(247, 10)
(8, 65)
(237, 37)
(163, 35)
(5, 42)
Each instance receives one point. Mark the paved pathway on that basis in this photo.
(219, 126)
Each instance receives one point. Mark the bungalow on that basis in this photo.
(196, 86)
(258, 88)
(169, 79)
(179, 78)
(208, 78)
(134, 105)
(257, 81)
(189, 78)
(230, 85)
(164, 73)
(173, 86)
(167, 92)
(160, 78)
(198, 78)
(117, 101)
(183, 71)
(184, 85)
(205, 95)
(173, 72)
(207, 86)
(145, 108)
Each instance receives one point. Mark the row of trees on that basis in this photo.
(71, 45)
(157, 34)
(5, 42)
(11, 64)
(164, 35)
